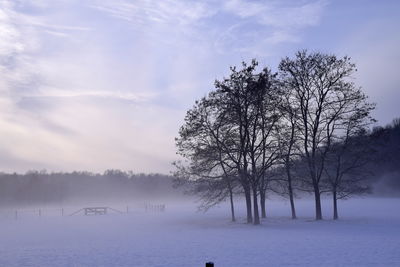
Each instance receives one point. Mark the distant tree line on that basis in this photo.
(385, 168)
(304, 128)
(42, 187)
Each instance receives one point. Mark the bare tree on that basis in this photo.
(346, 171)
(288, 143)
(252, 100)
(321, 90)
(230, 132)
(203, 142)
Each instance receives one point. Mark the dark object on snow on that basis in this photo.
(209, 264)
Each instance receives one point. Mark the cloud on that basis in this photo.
(163, 12)
(103, 84)
(263, 25)
(242, 21)
(277, 14)
(18, 45)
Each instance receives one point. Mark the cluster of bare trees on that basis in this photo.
(258, 131)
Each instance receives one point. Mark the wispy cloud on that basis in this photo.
(271, 22)
(101, 84)
(105, 83)
(281, 14)
(262, 25)
(17, 47)
(163, 12)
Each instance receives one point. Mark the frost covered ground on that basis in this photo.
(368, 234)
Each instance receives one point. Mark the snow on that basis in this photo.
(368, 234)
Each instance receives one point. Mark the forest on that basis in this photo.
(60, 188)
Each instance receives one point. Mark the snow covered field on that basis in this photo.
(368, 234)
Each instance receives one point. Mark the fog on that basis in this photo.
(150, 222)
(115, 188)
(63, 189)
(179, 236)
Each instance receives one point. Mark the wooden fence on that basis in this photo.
(95, 210)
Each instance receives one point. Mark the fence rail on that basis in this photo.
(70, 211)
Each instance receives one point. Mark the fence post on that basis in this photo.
(62, 211)
(40, 213)
(127, 209)
(16, 215)
(209, 264)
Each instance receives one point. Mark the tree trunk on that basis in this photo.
(318, 209)
(248, 205)
(232, 206)
(292, 207)
(262, 204)
(335, 211)
(291, 197)
(255, 205)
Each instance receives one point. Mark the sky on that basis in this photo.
(105, 84)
